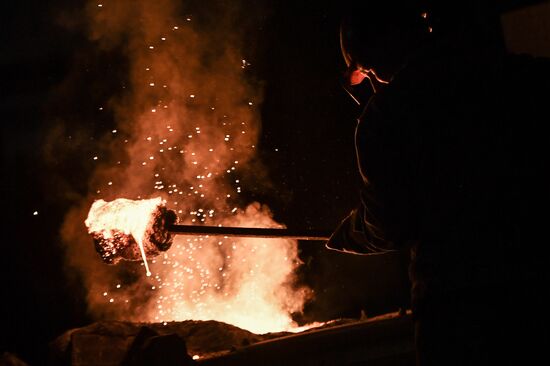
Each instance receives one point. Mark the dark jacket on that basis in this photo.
(453, 154)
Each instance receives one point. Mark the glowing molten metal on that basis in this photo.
(131, 230)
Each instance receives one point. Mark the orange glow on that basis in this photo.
(241, 281)
(186, 133)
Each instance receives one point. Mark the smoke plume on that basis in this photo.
(186, 123)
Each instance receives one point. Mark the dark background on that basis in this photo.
(306, 143)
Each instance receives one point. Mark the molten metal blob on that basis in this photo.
(131, 230)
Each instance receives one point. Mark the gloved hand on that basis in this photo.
(354, 235)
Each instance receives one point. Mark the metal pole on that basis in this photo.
(318, 235)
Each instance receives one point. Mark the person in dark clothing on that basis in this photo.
(452, 150)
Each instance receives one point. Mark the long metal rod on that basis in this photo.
(319, 235)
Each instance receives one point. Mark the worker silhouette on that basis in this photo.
(452, 147)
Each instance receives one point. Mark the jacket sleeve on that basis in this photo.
(355, 235)
(384, 219)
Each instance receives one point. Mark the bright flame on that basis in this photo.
(127, 216)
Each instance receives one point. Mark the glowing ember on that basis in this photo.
(121, 225)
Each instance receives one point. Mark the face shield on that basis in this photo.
(358, 81)
(361, 83)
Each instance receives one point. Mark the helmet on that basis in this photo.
(376, 37)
